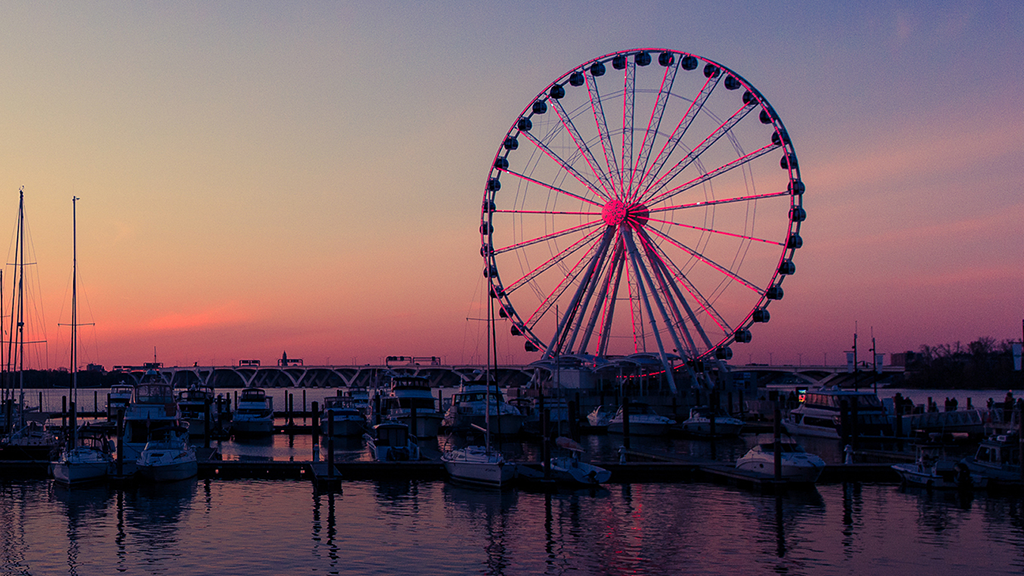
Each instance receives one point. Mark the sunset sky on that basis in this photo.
(306, 177)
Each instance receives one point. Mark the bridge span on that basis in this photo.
(452, 375)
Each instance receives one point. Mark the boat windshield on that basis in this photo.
(252, 395)
(834, 401)
(784, 447)
(154, 393)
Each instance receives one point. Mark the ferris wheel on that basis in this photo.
(647, 202)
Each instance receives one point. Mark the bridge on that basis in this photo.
(294, 374)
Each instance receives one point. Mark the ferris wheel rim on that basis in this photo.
(614, 210)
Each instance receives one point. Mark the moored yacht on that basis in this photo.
(996, 463)
(643, 421)
(468, 412)
(255, 414)
(797, 464)
(820, 414)
(408, 393)
(167, 456)
(390, 441)
(341, 417)
(193, 403)
(699, 423)
(89, 460)
(152, 407)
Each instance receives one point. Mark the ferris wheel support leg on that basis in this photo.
(641, 272)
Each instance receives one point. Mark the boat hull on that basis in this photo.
(942, 476)
(263, 427)
(79, 468)
(345, 427)
(168, 472)
(641, 428)
(573, 471)
(725, 428)
(476, 466)
(799, 473)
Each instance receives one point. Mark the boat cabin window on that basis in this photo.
(252, 396)
(833, 401)
(154, 394)
(392, 436)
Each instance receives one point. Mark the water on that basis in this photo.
(256, 527)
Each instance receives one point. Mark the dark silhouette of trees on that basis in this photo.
(982, 364)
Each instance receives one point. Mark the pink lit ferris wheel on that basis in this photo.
(647, 202)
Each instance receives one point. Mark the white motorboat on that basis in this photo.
(572, 469)
(643, 421)
(167, 456)
(118, 398)
(408, 393)
(699, 423)
(479, 465)
(797, 464)
(255, 414)
(468, 413)
(933, 469)
(152, 407)
(341, 417)
(820, 414)
(996, 463)
(193, 403)
(391, 442)
(90, 460)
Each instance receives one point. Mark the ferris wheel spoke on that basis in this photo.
(673, 271)
(721, 232)
(556, 293)
(718, 201)
(628, 103)
(708, 261)
(680, 130)
(552, 188)
(654, 124)
(547, 264)
(592, 280)
(547, 237)
(584, 150)
(746, 158)
(602, 129)
(694, 154)
(567, 166)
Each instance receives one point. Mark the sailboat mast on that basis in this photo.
(74, 320)
(20, 258)
(74, 298)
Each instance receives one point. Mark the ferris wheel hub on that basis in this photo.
(616, 212)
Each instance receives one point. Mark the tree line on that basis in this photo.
(981, 365)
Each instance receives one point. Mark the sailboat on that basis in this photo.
(482, 464)
(86, 457)
(26, 438)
